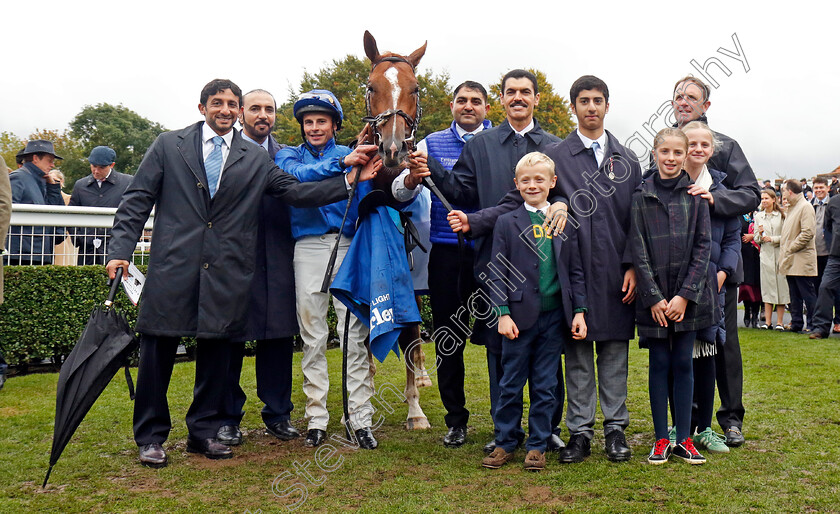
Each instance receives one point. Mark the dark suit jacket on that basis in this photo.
(515, 283)
(87, 193)
(203, 250)
(272, 314)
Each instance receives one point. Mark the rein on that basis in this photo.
(381, 118)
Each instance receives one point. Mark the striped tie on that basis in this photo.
(213, 165)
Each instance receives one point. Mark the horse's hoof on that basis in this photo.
(417, 424)
(423, 381)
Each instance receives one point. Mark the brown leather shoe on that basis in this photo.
(817, 335)
(211, 448)
(498, 458)
(535, 461)
(153, 455)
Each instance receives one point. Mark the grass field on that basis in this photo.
(789, 462)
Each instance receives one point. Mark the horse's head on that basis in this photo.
(393, 101)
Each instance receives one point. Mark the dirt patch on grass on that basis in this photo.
(8, 412)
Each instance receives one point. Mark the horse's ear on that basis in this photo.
(370, 47)
(416, 55)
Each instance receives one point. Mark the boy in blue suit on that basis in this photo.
(538, 288)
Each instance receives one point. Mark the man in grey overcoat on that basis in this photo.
(205, 183)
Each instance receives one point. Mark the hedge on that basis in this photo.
(47, 307)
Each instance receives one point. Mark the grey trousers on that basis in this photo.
(612, 386)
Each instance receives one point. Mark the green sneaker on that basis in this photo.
(672, 436)
(711, 441)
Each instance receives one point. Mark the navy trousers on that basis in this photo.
(451, 320)
(151, 409)
(274, 381)
(534, 358)
(801, 291)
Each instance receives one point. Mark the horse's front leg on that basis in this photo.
(410, 345)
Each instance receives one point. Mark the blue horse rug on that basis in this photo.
(374, 280)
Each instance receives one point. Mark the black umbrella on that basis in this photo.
(103, 347)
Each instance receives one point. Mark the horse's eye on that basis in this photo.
(370, 89)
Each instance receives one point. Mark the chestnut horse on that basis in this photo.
(393, 108)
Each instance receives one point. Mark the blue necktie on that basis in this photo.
(467, 137)
(213, 165)
(594, 148)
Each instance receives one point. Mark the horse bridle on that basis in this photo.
(381, 118)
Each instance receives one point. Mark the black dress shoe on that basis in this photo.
(456, 437)
(153, 455)
(282, 430)
(364, 436)
(734, 437)
(489, 447)
(229, 435)
(577, 450)
(210, 448)
(314, 437)
(616, 447)
(554, 443)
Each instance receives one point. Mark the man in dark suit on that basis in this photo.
(205, 183)
(271, 317)
(481, 177)
(740, 196)
(104, 187)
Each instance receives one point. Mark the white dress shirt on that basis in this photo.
(207, 146)
(602, 145)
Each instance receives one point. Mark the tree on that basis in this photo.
(553, 111)
(128, 133)
(347, 79)
(10, 145)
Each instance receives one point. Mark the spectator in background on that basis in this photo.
(34, 183)
(749, 291)
(820, 203)
(768, 234)
(834, 188)
(807, 192)
(798, 255)
(5, 216)
(104, 187)
(19, 158)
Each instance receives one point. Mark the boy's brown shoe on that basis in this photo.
(535, 461)
(498, 458)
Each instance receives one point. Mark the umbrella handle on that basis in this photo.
(115, 284)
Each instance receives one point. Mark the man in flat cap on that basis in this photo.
(35, 184)
(104, 187)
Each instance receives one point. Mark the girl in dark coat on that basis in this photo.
(723, 262)
(671, 244)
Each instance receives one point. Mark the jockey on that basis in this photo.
(314, 230)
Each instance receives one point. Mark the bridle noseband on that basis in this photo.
(381, 118)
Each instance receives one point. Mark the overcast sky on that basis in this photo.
(154, 56)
